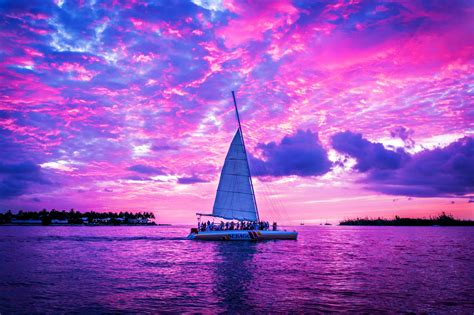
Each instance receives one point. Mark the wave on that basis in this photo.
(73, 238)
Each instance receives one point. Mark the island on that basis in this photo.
(73, 217)
(442, 219)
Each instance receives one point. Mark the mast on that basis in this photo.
(246, 157)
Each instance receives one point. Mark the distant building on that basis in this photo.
(104, 220)
(30, 221)
(56, 221)
(138, 221)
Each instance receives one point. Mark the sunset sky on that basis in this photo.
(349, 108)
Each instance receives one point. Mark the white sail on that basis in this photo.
(235, 198)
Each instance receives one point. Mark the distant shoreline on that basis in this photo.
(441, 220)
(76, 218)
(88, 225)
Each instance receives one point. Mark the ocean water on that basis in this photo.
(155, 269)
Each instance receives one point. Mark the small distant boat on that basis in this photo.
(301, 223)
(235, 199)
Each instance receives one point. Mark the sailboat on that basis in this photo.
(235, 200)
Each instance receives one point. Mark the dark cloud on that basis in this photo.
(191, 180)
(20, 168)
(10, 187)
(145, 169)
(164, 147)
(405, 134)
(16, 178)
(10, 149)
(300, 154)
(439, 172)
(369, 155)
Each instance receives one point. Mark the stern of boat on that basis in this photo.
(192, 234)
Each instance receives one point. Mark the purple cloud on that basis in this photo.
(300, 154)
(16, 178)
(405, 134)
(164, 147)
(145, 169)
(190, 180)
(369, 155)
(430, 173)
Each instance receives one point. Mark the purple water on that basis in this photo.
(152, 269)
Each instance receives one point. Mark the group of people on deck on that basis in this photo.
(244, 225)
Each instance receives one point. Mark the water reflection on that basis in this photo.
(234, 274)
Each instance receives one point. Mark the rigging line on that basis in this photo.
(282, 210)
(275, 211)
(279, 210)
(273, 206)
(265, 195)
(277, 206)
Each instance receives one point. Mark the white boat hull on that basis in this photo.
(243, 235)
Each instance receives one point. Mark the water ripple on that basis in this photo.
(155, 269)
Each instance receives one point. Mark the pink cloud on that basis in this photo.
(251, 24)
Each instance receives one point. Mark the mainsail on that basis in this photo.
(235, 198)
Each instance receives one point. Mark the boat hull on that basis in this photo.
(243, 235)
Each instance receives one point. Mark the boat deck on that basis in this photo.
(243, 235)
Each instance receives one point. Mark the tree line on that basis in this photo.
(75, 217)
(442, 219)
